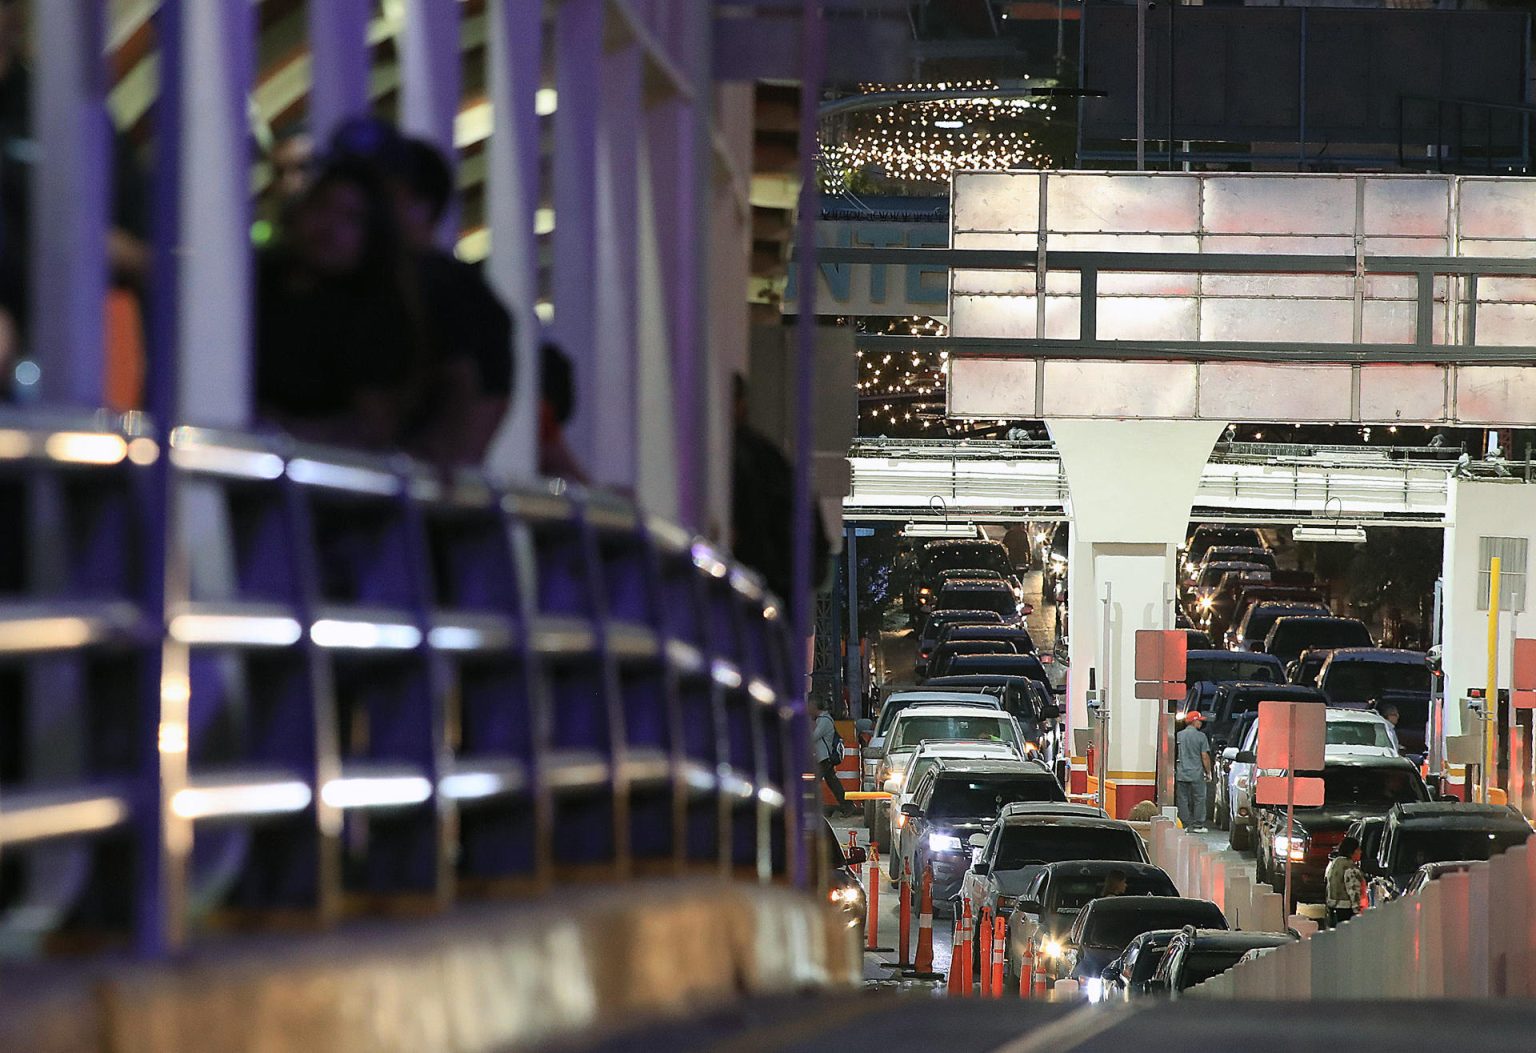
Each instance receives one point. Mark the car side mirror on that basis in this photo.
(911, 810)
(1447, 798)
(1247, 757)
(1229, 754)
(854, 856)
(1049, 710)
(977, 840)
(981, 869)
(878, 742)
(1028, 906)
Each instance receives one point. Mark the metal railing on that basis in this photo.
(360, 684)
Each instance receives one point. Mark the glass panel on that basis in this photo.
(1124, 202)
(996, 201)
(994, 316)
(992, 387)
(1343, 245)
(1024, 242)
(1407, 206)
(1279, 205)
(1311, 321)
(1119, 389)
(1321, 286)
(1491, 394)
(1497, 208)
(1148, 318)
(993, 283)
(1274, 391)
(1495, 288)
(1506, 325)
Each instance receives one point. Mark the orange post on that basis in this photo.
(1027, 971)
(999, 939)
(968, 928)
(872, 893)
(984, 942)
(905, 922)
(923, 966)
(1042, 984)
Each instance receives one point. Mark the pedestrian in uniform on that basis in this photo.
(1343, 881)
(1191, 770)
(827, 748)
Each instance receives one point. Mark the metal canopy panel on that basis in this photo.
(1294, 291)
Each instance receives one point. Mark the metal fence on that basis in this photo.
(360, 685)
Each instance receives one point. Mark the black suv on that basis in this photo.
(1196, 955)
(1353, 787)
(1415, 834)
(1107, 926)
(1234, 700)
(1293, 634)
(948, 554)
(1020, 844)
(958, 798)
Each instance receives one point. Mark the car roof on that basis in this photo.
(1154, 939)
(960, 614)
(984, 766)
(1056, 808)
(1369, 760)
(1443, 813)
(1136, 904)
(1218, 654)
(975, 585)
(1383, 655)
(1234, 939)
(1282, 692)
(1339, 714)
(1090, 867)
(962, 747)
(922, 694)
(1313, 619)
(987, 629)
(1065, 821)
(1447, 866)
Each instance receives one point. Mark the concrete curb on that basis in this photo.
(488, 978)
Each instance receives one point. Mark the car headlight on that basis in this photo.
(1058, 560)
(845, 896)
(943, 843)
(1094, 988)
(1053, 949)
(1206, 603)
(1296, 847)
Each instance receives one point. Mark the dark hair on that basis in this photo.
(1348, 846)
(426, 174)
(1387, 708)
(1116, 875)
(557, 381)
(383, 254)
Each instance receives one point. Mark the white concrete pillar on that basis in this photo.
(1157, 832)
(71, 188)
(1455, 940)
(1505, 922)
(340, 59)
(1296, 971)
(1429, 961)
(1193, 879)
(1237, 898)
(1475, 510)
(1132, 484)
(1479, 960)
(511, 199)
(214, 360)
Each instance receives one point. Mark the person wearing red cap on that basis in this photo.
(1191, 771)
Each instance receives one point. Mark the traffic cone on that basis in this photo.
(905, 922)
(1042, 984)
(872, 924)
(999, 939)
(923, 966)
(1027, 971)
(984, 941)
(968, 929)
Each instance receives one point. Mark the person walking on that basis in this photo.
(1191, 771)
(1343, 881)
(827, 748)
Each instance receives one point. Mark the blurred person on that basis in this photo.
(1116, 882)
(557, 402)
(762, 506)
(1191, 771)
(470, 383)
(1389, 713)
(341, 352)
(1343, 881)
(827, 751)
(293, 168)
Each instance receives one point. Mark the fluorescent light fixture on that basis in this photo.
(1350, 535)
(333, 632)
(82, 447)
(249, 630)
(376, 791)
(473, 785)
(342, 477)
(966, 530)
(59, 817)
(45, 634)
(949, 124)
(226, 460)
(260, 798)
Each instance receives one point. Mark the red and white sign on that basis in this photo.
(1525, 674)
(1160, 663)
(1292, 737)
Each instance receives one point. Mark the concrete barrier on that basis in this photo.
(479, 980)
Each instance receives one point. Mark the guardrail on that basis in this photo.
(359, 685)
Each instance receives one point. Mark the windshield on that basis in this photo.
(1038, 843)
(1200, 966)
(986, 796)
(1370, 788)
(1000, 600)
(979, 556)
(1072, 894)
(1117, 928)
(1220, 670)
(1361, 682)
(1213, 574)
(1248, 701)
(1357, 733)
(1293, 638)
(1262, 619)
(1417, 847)
(915, 729)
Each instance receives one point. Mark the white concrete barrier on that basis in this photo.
(1238, 898)
(1455, 944)
(1429, 954)
(1504, 921)
(1065, 991)
(1304, 926)
(1268, 911)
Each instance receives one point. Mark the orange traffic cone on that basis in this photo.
(984, 942)
(999, 939)
(923, 966)
(904, 924)
(957, 948)
(1027, 971)
(1042, 983)
(968, 928)
(872, 924)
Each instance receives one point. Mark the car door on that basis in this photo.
(980, 890)
(907, 833)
